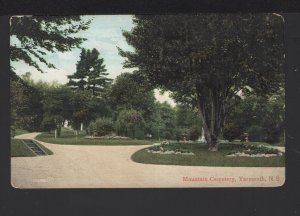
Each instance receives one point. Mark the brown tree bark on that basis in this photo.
(212, 124)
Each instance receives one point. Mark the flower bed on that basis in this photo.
(254, 151)
(169, 148)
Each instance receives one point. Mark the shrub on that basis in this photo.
(194, 133)
(48, 124)
(274, 134)
(232, 131)
(256, 133)
(184, 133)
(139, 133)
(101, 127)
(91, 129)
(167, 134)
(130, 123)
(177, 134)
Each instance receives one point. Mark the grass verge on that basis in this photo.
(19, 149)
(20, 131)
(70, 139)
(203, 157)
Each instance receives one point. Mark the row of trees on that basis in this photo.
(164, 123)
(126, 105)
(43, 106)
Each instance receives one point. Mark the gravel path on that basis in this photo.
(74, 166)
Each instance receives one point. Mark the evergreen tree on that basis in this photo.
(80, 74)
(90, 73)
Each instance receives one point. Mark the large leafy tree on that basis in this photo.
(90, 73)
(207, 59)
(130, 92)
(35, 36)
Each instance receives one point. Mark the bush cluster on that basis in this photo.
(101, 127)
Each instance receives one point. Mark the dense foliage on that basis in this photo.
(206, 59)
(262, 118)
(25, 104)
(56, 107)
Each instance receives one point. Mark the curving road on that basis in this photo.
(74, 166)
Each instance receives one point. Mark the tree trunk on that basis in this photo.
(207, 134)
(214, 145)
(212, 116)
(58, 130)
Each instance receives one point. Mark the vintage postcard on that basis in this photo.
(147, 101)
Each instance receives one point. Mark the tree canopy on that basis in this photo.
(207, 59)
(34, 36)
(129, 92)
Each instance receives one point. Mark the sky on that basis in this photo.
(104, 34)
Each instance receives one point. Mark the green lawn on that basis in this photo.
(203, 157)
(68, 138)
(20, 131)
(19, 149)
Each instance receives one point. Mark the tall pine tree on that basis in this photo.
(90, 73)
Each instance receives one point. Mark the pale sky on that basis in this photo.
(104, 34)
